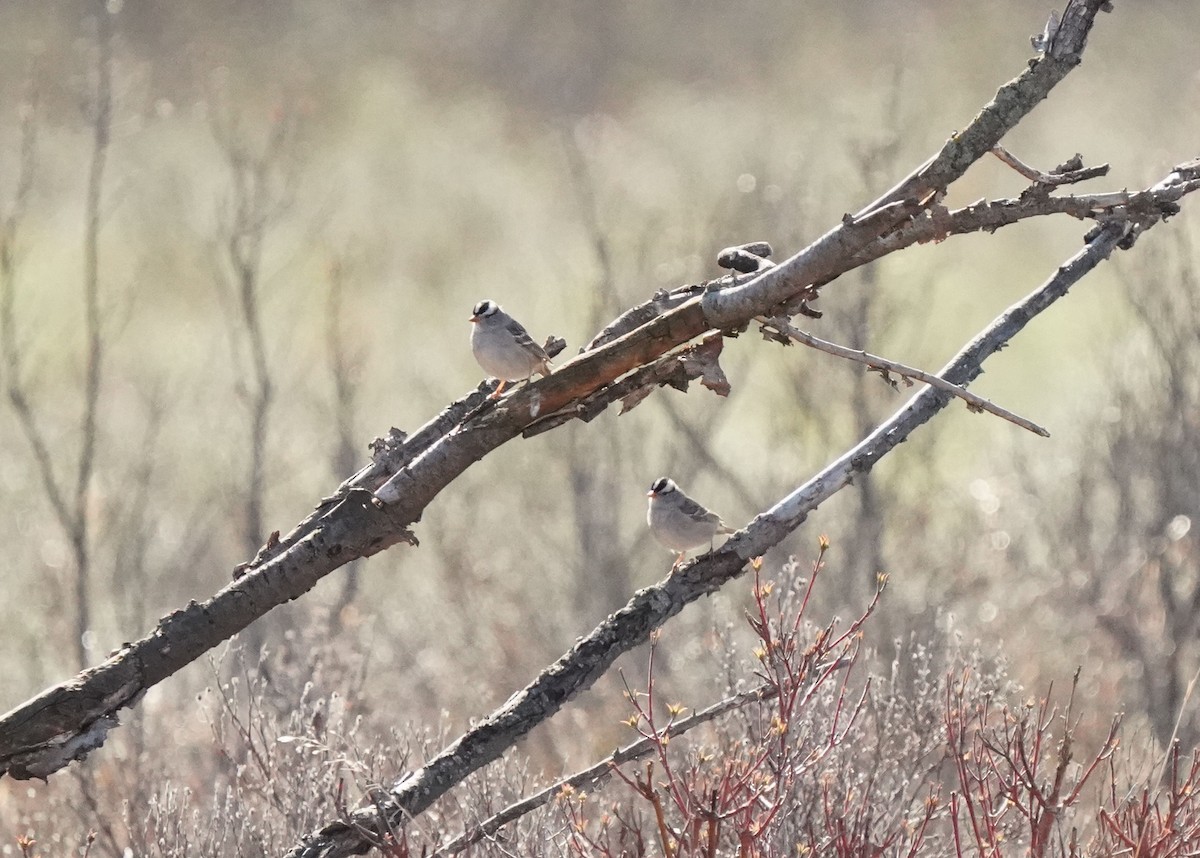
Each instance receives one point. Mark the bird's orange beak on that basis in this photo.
(474, 319)
(652, 494)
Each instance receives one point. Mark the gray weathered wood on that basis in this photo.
(631, 626)
(66, 721)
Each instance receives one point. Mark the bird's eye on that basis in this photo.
(484, 308)
(660, 485)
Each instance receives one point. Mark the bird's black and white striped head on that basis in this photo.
(484, 309)
(662, 486)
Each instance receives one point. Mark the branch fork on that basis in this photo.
(410, 472)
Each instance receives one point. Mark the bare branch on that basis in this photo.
(67, 498)
(883, 365)
(100, 114)
(987, 216)
(652, 606)
(1012, 103)
(12, 355)
(413, 471)
(1065, 174)
(596, 774)
(101, 119)
(937, 224)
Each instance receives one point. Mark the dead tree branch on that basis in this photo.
(935, 224)
(66, 721)
(596, 774)
(885, 366)
(1067, 173)
(651, 607)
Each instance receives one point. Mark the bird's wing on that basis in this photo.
(524, 340)
(693, 510)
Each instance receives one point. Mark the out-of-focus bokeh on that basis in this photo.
(401, 161)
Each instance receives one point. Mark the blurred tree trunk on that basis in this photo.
(1128, 521)
(343, 371)
(69, 497)
(261, 188)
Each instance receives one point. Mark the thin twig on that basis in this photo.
(1161, 200)
(100, 114)
(1069, 173)
(883, 365)
(599, 772)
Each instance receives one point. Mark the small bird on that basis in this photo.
(503, 347)
(677, 521)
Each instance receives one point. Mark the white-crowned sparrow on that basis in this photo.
(678, 522)
(503, 347)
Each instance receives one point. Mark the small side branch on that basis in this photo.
(1064, 174)
(885, 366)
(598, 773)
(1155, 203)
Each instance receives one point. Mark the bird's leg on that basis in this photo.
(496, 393)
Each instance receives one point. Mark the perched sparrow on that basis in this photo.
(503, 347)
(677, 521)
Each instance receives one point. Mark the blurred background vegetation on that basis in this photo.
(567, 160)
